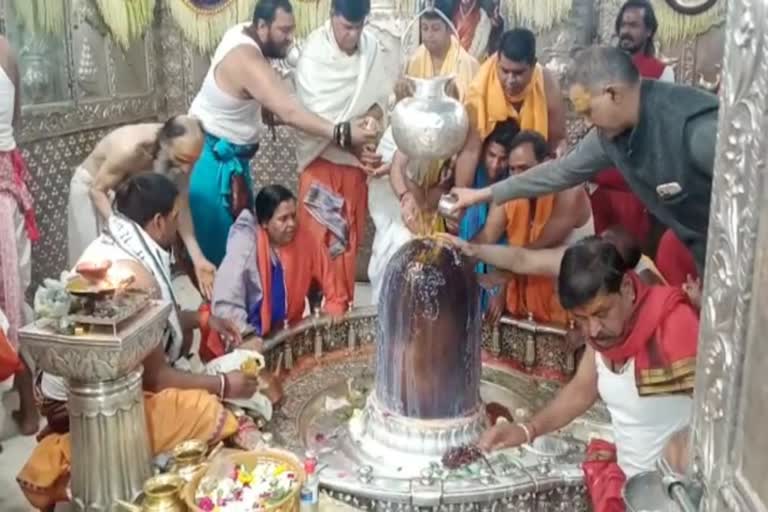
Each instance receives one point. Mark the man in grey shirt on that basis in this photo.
(660, 136)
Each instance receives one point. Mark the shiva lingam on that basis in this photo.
(424, 404)
(101, 363)
(383, 429)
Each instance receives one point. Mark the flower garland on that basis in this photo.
(203, 22)
(309, 15)
(43, 16)
(127, 20)
(675, 26)
(537, 14)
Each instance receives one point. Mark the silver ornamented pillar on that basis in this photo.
(729, 445)
(111, 455)
(110, 447)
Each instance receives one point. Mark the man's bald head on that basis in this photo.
(179, 143)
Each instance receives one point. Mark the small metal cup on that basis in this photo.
(446, 207)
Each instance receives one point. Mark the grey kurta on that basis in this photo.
(673, 144)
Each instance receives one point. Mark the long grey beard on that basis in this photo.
(164, 166)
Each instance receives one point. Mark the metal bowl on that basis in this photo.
(446, 206)
(645, 492)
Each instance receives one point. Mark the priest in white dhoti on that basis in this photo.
(340, 77)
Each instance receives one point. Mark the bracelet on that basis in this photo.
(222, 386)
(530, 433)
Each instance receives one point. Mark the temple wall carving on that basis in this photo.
(67, 108)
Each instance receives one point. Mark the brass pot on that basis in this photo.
(188, 458)
(162, 493)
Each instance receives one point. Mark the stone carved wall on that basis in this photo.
(730, 389)
(56, 136)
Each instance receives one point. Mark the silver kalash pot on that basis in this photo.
(430, 125)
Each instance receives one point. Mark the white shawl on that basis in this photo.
(338, 87)
(124, 239)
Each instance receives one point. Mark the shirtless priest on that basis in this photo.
(170, 148)
(640, 361)
(340, 76)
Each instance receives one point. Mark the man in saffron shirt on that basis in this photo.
(612, 200)
(268, 268)
(543, 222)
(511, 85)
(640, 360)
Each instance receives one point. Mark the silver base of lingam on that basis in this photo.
(382, 433)
(543, 477)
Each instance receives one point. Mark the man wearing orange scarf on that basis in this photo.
(612, 200)
(511, 85)
(270, 264)
(547, 221)
(640, 361)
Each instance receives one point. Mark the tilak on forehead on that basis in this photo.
(580, 98)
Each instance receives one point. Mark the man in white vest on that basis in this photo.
(239, 82)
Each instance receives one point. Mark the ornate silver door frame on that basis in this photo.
(729, 442)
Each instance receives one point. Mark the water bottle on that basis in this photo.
(310, 491)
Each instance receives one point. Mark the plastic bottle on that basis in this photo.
(310, 491)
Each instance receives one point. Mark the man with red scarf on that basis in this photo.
(640, 360)
(612, 200)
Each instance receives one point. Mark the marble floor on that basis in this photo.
(16, 448)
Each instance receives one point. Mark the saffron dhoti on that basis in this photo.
(349, 183)
(173, 416)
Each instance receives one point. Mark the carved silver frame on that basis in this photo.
(735, 279)
(69, 116)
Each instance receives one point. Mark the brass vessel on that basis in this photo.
(162, 493)
(188, 458)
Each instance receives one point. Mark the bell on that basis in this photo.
(430, 125)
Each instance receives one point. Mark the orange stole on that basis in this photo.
(264, 263)
(303, 262)
(488, 105)
(528, 293)
(173, 416)
(350, 183)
